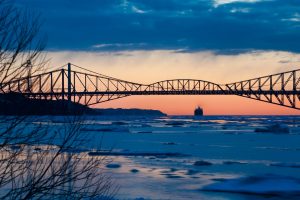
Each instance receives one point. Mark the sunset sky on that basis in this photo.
(146, 41)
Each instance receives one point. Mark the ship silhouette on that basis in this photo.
(198, 111)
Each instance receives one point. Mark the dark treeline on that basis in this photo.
(17, 104)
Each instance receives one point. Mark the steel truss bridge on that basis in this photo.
(89, 88)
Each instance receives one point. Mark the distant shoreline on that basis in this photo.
(128, 112)
(17, 104)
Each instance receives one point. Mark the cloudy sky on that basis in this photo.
(150, 40)
(224, 26)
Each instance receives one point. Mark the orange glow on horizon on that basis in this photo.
(157, 65)
(212, 105)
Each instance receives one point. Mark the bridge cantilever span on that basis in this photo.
(88, 87)
(281, 89)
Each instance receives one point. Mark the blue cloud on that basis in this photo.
(190, 25)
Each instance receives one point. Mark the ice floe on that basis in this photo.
(113, 165)
(259, 185)
(291, 165)
(202, 163)
(275, 128)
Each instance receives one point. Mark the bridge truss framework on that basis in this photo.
(89, 88)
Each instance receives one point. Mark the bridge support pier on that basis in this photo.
(69, 83)
(69, 95)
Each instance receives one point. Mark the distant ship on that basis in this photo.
(198, 111)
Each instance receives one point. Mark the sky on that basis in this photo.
(151, 40)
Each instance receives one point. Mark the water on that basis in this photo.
(241, 163)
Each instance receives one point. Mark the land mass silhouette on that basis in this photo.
(18, 104)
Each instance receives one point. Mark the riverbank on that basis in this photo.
(17, 104)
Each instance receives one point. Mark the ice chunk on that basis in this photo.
(134, 170)
(119, 123)
(262, 185)
(113, 165)
(291, 165)
(202, 163)
(144, 132)
(169, 143)
(175, 123)
(233, 162)
(172, 176)
(276, 128)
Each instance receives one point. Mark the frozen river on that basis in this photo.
(213, 157)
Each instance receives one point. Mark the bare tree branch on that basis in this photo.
(37, 160)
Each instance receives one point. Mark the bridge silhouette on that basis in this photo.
(88, 87)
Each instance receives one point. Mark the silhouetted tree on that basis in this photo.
(49, 164)
(38, 161)
(21, 45)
